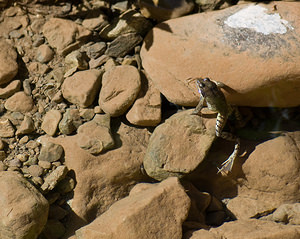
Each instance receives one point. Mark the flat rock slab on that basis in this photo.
(251, 48)
(179, 145)
(166, 205)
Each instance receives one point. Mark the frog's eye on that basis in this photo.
(206, 79)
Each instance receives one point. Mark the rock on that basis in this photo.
(51, 121)
(256, 74)
(164, 202)
(73, 61)
(54, 177)
(44, 54)
(45, 164)
(6, 128)
(26, 127)
(94, 63)
(249, 229)
(10, 89)
(19, 102)
(130, 21)
(95, 22)
(24, 210)
(35, 170)
(87, 114)
(268, 183)
(57, 212)
(191, 137)
(95, 136)
(66, 185)
(146, 110)
(120, 87)
(64, 35)
(96, 50)
(102, 180)
(287, 214)
(82, 87)
(54, 229)
(123, 44)
(164, 10)
(70, 121)
(8, 62)
(208, 5)
(51, 152)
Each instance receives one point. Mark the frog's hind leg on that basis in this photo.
(227, 165)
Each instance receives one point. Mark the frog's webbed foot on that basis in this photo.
(228, 164)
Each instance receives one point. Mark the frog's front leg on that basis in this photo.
(197, 110)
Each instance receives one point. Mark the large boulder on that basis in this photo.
(251, 48)
(150, 211)
(24, 210)
(8, 62)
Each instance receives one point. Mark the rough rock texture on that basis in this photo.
(6, 128)
(120, 87)
(179, 145)
(146, 110)
(44, 54)
(10, 89)
(8, 62)
(157, 211)
(50, 152)
(19, 102)
(82, 87)
(50, 122)
(227, 46)
(106, 178)
(54, 177)
(288, 214)
(95, 136)
(24, 210)
(271, 177)
(64, 35)
(249, 229)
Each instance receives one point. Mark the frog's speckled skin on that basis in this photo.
(216, 101)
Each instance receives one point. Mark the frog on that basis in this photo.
(210, 92)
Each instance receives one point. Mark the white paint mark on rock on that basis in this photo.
(256, 18)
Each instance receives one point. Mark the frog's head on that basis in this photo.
(205, 85)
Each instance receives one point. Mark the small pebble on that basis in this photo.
(24, 139)
(35, 170)
(45, 164)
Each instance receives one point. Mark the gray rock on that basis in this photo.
(73, 61)
(54, 177)
(96, 50)
(123, 44)
(70, 121)
(130, 21)
(179, 145)
(51, 152)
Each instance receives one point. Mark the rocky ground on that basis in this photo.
(92, 90)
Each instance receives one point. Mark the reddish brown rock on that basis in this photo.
(120, 87)
(6, 128)
(51, 121)
(82, 87)
(249, 229)
(19, 102)
(64, 35)
(227, 46)
(10, 89)
(8, 62)
(103, 179)
(146, 110)
(165, 204)
(271, 177)
(189, 135)
(24, 209)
